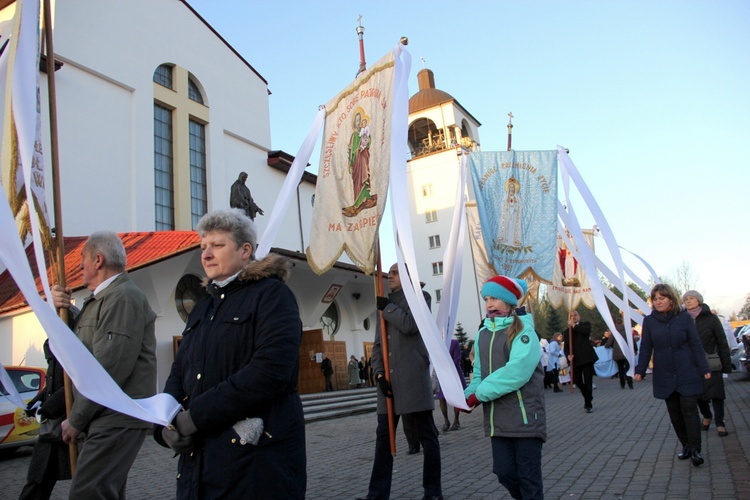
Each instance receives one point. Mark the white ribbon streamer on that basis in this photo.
(13, 395)
(289, 188)
(454, 254)
(87, 374)
(568, 171)
(428, 329)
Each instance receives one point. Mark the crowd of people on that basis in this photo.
(240, 354)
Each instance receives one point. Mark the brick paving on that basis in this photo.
(624, 450)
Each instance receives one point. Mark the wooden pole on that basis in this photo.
(55, 166)
(570, 361)
(384, 353)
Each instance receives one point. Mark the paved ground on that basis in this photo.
(624, 450)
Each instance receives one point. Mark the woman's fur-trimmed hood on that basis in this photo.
(271, 266)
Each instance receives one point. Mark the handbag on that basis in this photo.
(51, 429)
(714, 362)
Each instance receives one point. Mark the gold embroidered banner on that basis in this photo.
(354, 168)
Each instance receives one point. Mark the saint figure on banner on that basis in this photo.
(568, 266)
(510, 225)
(359, 165)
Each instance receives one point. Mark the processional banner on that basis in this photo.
(354, 168)
(516, 196)
(570, 284)
(21, 114)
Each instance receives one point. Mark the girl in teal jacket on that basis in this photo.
(508, 382)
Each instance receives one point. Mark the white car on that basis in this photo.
(16, 428)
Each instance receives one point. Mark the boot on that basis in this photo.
(696, 458)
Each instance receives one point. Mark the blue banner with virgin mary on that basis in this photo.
(516, 195)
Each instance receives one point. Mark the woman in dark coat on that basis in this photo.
(714, 340)
(679, 366)
(50, 460)
(242, 434)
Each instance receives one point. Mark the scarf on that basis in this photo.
(694, 312)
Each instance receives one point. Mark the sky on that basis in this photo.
(651, 97)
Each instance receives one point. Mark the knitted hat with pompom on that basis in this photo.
(509, 290)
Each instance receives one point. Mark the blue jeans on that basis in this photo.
(382, 467)
(517, 462)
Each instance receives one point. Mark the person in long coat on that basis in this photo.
(353, 370)
(714, 341)
(410, 387)
(680, 366)
(50, 460)
(581, 358)
(242, 431)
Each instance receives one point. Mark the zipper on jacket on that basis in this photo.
(523, 408)
(489, 371)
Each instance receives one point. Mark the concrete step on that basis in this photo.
(338, 404)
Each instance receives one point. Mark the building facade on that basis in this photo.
(157, 117)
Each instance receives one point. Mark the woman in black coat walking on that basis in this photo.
(714, 341)
(679, 366)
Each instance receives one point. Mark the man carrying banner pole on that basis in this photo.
(60, 242)
(408, 386)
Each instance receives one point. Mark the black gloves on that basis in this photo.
(184, 424)
(385, 387)
(173, 439)
(180, 438)
(382, 302)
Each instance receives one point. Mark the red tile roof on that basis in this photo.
(142, 249)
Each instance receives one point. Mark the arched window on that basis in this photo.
(181, 120)
(425, 137)
(194, 93)
(163, 75)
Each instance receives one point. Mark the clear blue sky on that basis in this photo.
(651, 97)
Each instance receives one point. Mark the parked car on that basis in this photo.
(738, 353)
(16, 428)
(743, 337)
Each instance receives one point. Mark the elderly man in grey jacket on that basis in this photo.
(411, 389)
(116, 323)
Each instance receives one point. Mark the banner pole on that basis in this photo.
(55, 166)
(570, 361)
(384, 351)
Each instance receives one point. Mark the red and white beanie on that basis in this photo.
(509, 290)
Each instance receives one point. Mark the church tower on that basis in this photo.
(439, 129)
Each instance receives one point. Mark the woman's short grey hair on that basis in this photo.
(232, 221)
(108, 245)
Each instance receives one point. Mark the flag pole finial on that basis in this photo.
(510, 129)
(361, 35)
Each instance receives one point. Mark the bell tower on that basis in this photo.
(440, 130)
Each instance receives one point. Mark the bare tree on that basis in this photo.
(745, 311)
(684, 278)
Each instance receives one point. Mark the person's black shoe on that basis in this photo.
(557, 389)
(412, 451)
(589, 410)
(685, 453)
(696, 458)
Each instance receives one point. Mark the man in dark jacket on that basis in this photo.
(327, 370)
(581, 358)
(410, 387)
